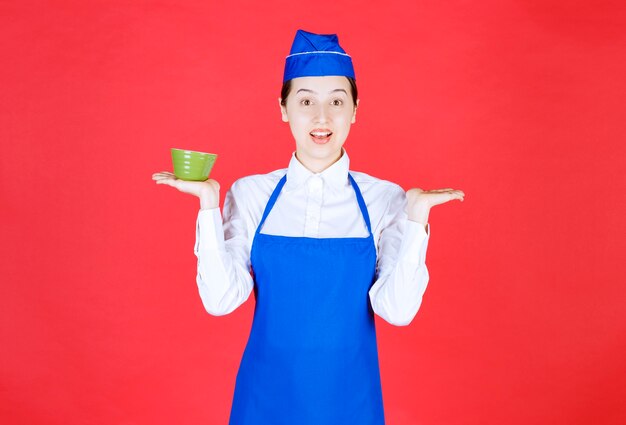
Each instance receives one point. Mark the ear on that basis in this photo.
(354, 114)
(283, 111)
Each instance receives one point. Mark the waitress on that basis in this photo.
(323, 247)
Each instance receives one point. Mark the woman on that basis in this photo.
(323, 248)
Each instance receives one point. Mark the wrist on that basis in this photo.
(419, 213)
(207, 203)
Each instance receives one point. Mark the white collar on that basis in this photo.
(335, 176)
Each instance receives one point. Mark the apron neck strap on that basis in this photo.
(271, 202)
(281, 183)
(362, 205)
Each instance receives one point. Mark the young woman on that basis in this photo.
(324, 248)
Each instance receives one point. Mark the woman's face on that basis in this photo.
(320, 111)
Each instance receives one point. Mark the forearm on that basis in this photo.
(397, 294)
(224, 281)
(223, 285)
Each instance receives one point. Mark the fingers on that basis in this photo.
(449, 189)
(454, 193)
(164, 180)
(162, 174)
(165, 177)
(169, 182)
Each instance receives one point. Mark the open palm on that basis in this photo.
(208, 189)
(433, 197)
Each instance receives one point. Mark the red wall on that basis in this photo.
(520, 104)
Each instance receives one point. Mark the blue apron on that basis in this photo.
(311, 357)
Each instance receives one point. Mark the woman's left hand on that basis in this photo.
(419, 202)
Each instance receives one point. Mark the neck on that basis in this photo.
(317, 165)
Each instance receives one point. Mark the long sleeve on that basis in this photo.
(402, 275)
(223, 278)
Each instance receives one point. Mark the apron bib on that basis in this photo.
(311, 357)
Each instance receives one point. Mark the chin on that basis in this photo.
(325, 150)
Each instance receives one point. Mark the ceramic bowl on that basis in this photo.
(192, 165)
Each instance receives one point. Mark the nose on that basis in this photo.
(321, 115)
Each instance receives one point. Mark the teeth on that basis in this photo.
(320, 134)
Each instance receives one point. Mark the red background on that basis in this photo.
(520, 104)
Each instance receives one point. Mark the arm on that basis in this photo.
(402, 276)
(223, 278)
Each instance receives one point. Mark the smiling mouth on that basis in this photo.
(321, 139)
(321, 136)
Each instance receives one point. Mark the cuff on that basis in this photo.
(209, 230)
(414, 242)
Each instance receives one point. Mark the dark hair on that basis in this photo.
(284, 91)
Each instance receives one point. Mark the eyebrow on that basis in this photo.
(311, 91)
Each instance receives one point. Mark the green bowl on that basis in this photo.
(192, 165)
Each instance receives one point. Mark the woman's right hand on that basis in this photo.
(208, 191)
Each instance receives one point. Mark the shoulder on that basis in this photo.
(375, 188)
(258, 181)
(255, 188)
(384, 199)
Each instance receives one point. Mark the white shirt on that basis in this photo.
(318, 205)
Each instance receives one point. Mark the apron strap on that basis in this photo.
(271, 202)
(281, 183)
(362, 205)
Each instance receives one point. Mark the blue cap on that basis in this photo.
(317, 55)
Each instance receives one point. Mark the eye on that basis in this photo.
(337, 102)
(305, 102)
